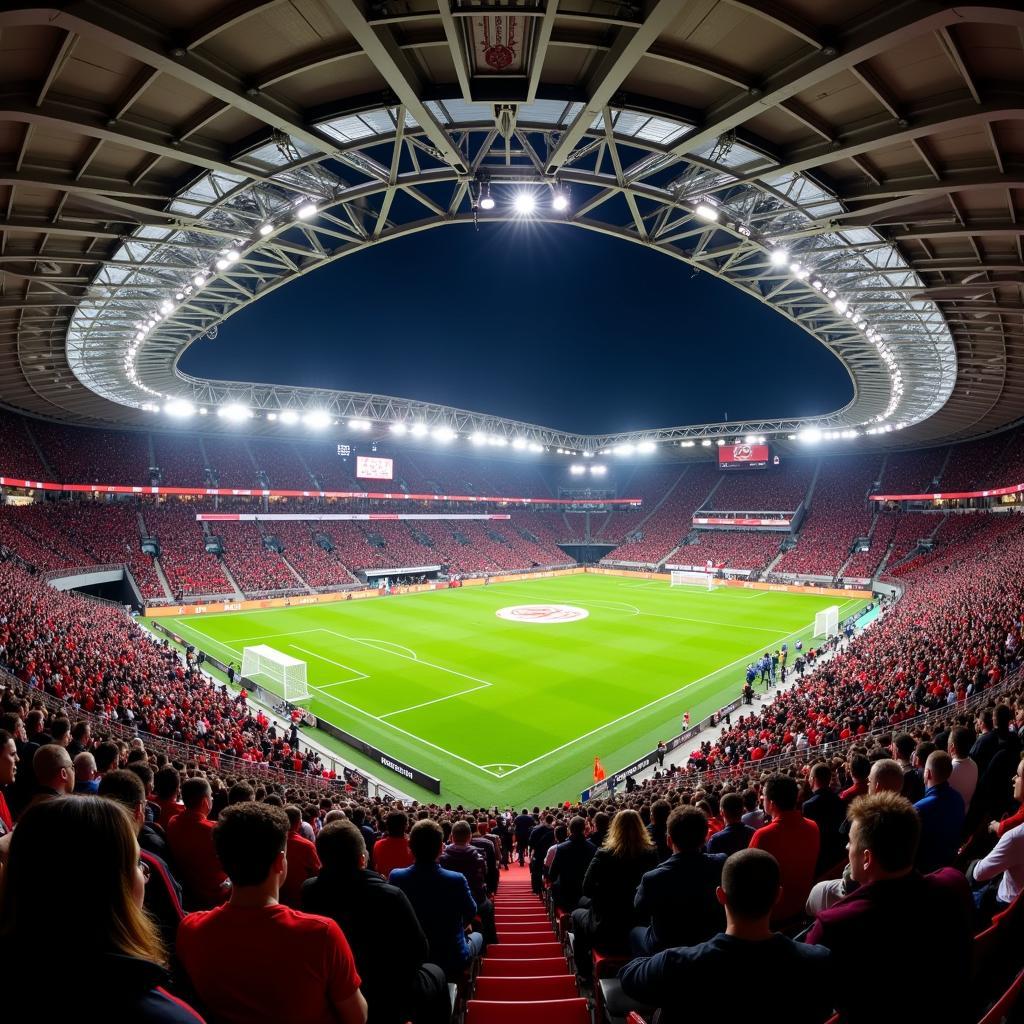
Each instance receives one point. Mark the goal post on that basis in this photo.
(826, 622)
(691, 578)
(279, 673)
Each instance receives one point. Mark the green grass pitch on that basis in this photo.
(515, 712)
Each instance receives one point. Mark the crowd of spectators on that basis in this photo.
(81, 455)
(180, 460)
(20, 458)
(914, 472)
(282, 465)
(230, 462)
(734, 549)
(773, 488)
(255, 567)
(319, 568)
(189, 568)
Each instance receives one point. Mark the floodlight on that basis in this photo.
(398, 429)
(524, 203)
(180, 408)
(720, 442)
(624, 449)
(418, 430)
(598, 470)
(265, 229)
(234, 412)
(812, 435)
(840, 305)
(646, 447)
(560, 202)
(443, 434)
(706, 211)
(779, 257)
(359, 424)
(477, 438)
(272, 416)
(180, 296)
(577, 469)
(588, 455)
(232, 255)
(534, 447)
(498, 442)
(519, 443)
(317, 419)
(289, 417)
(222, 264)
(306, 210)
(166, 306)
(199, 280)
(486, 202)
(706, 443)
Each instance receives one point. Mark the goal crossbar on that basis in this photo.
(275, 671)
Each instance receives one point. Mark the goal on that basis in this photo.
(691, 578)
(279, 673)
(826, 623)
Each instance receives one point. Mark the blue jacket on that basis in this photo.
(443, 904)
(679, 897)
(730, 839)
(942, 825)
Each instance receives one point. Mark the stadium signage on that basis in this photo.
(743, 456)
(995, 492)
(254, 492)
(736, 521)
(542, 614)
(383, 759)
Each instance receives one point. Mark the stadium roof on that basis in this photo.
(857, 165)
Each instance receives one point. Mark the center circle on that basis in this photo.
(542, 614)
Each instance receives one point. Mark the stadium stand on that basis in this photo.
(230, 461)
(255, 568)
(915, 472)
(179, 460)
(80, 456)
(733, 549)
(319, 568)
(190, 570)
(282, 464)
(775, 488)
(20, 457)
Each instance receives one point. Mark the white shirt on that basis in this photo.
(1007, 856)
(964, 778)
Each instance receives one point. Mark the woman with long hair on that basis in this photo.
(74, 887)
(8, 773)
(610, 885)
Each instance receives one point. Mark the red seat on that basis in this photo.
(518, 990)
(524, 950)
(538, 967)
(1002, 1009)
(549, 1011)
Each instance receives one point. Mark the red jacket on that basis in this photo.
(303, 863)
(190, 840)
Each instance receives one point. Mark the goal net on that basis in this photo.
(826, 623)
(279, 673)
(690, 578)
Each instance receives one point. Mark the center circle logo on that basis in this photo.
(542, 614)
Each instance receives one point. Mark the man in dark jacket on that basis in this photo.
(827, 811)
(523, 826)
(735, 836)
(572, 858)
(679, 895)
(387, 941)
(462, 856)
(541, 839)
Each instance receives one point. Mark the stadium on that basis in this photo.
(393, 704)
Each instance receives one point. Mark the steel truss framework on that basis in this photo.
(380, 165)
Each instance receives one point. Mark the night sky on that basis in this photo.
(565, 328)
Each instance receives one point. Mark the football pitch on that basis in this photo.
(512, 706)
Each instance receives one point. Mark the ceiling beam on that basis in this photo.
(396, 69)
(541, 41)
(629, 46)
(225, 18)
(453, 35)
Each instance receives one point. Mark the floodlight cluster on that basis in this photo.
(578, 469)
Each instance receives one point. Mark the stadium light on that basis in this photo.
(222, 264)
(588, 455)
(812, 435)
(706, 443)
(840, 305)
(233, 412)
(265, 229)
(487, 202)
(359, 424)
(443, 434)
(166, 306)
(534, 447)
(519, 443)
(180, 408)
(646, 447)
(577, 469)
(498, 442)
(560, 202)
(199, 280)
(624, 449)
(289, 417)
(232, 255)
(418, 430)
(306, 210)
(779, 257)
(720, 442)
(478, 438)
(524, 203)
(317, 419)
(706, 212)
(398, 429)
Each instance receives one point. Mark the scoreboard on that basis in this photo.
(743, 456)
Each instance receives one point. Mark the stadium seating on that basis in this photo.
(282, 463)
(85, 456)
(773, 488)
(319, 568)
(914, 472)
(231, 462)
(18, 455)
(256, 569)
(179, 459)
(733, 549)
(189, 569)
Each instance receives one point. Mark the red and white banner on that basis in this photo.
(255, 492)
(293, 517)
(730, 521)
(739, 456)
(995, 492)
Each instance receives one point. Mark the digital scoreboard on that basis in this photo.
(371, 467)
(743, 456)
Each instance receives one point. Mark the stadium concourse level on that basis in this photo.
(860, 742)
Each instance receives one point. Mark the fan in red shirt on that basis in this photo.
(793, 841)
(303, 861)
(190, 840)
(254, 961)
(393, 850)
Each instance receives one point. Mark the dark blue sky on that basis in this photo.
(562, 327)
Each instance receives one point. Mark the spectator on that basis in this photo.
(678, 896)
(658, 828)
(392, 851)
(572, 858)
(190, 841)
(826, 809)
(85, 773)
(1005, 860)
(166, 789)
(892, 897)
(163, 893)
(964, 778)
(118, 958)
(998, 761)
(54, 772)
(793, 841)
(903, 747)
(487, 845)
(8, 773)
(303, 861)
(942, 815)
(735, 836)
(699, 982)
(753, 816)
(389, 946)
(81, 738)
(106, 755)
(254, 960)
(610, 884)
(541, 839)
(461, 856)
(441, 899)
(523, 826)
(859, 767)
